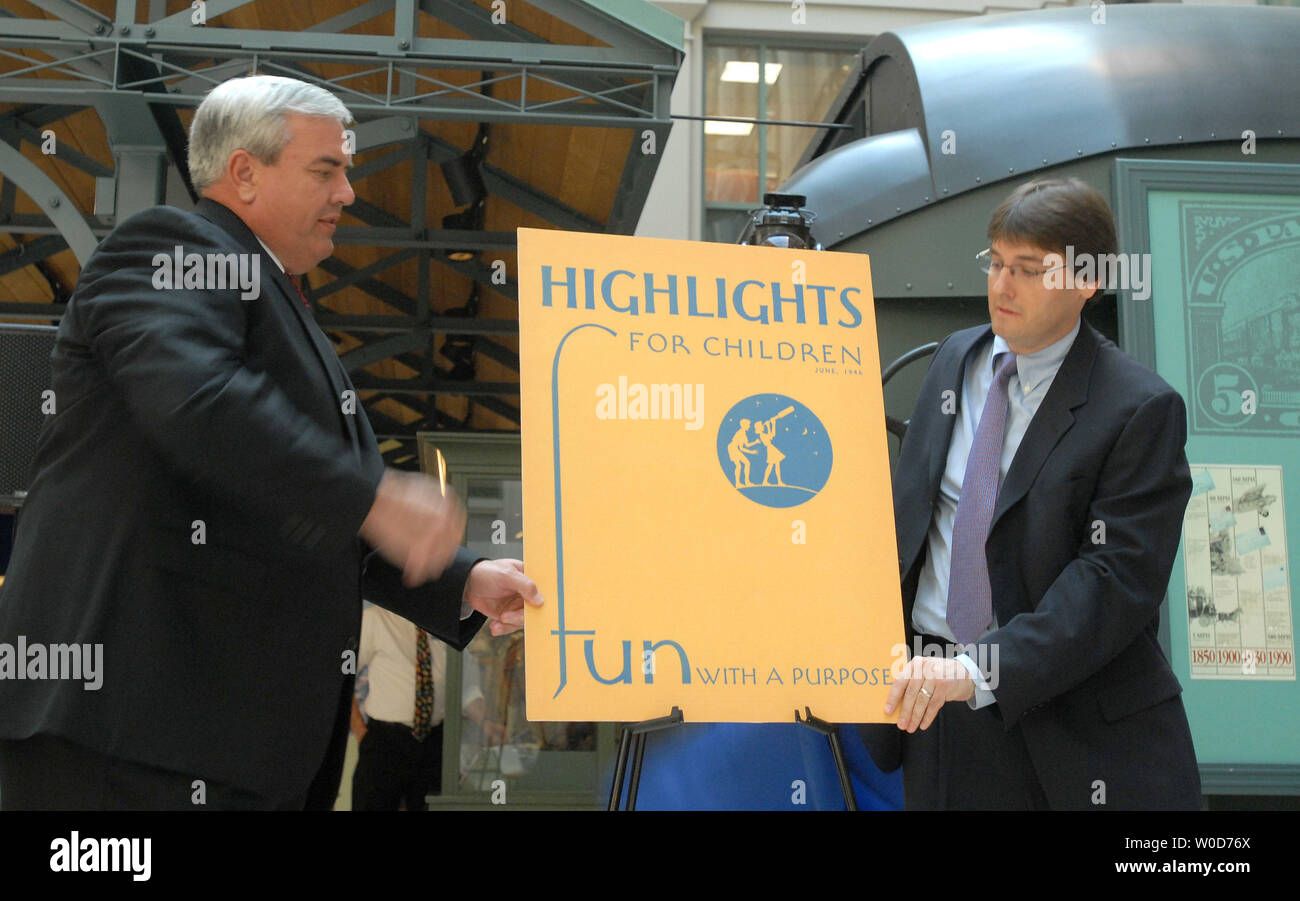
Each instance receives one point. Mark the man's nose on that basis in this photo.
(1004, 284)
(345, 195)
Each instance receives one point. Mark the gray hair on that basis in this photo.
(249, 114)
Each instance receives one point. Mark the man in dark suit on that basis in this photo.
(206, 500)
(1038, 500)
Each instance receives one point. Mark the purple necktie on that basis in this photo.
(970, 599)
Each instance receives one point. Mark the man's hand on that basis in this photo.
(925, 684)
(494, 733)
(414, 526)
(498, 590)
(358, 722)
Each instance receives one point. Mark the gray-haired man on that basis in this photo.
(204, 504)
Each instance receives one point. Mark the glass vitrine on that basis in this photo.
(491, 752)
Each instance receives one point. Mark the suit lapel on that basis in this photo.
(222, 216)
(916, 489)
(1053, 419)
(325, 352)
(952, 378)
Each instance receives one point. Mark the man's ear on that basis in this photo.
(242, 171)
(1087, 289)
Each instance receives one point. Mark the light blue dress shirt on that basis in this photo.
(1025, 391)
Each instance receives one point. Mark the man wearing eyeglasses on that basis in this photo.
(1039, 500)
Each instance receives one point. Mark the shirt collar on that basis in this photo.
(1033, 368)
(271, 254)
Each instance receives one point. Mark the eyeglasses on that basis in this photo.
(1019, 272)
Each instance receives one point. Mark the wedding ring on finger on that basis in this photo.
(928, 694)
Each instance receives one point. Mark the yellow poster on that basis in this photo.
(706, 482)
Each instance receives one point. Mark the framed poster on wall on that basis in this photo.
(1221, 324)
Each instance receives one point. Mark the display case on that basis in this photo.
(492, 754)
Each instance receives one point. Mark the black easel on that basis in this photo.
(633, 741)
(832, 734)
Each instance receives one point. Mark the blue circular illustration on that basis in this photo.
(774, 450)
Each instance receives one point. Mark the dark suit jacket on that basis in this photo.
(1080, 673)
(195, 508)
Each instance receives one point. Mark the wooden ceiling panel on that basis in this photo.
(580, 167)
(25, 10)
(83, 132)
(544, 25)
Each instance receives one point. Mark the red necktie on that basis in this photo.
(296, 281)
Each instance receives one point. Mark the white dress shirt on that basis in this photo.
(388, 648)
